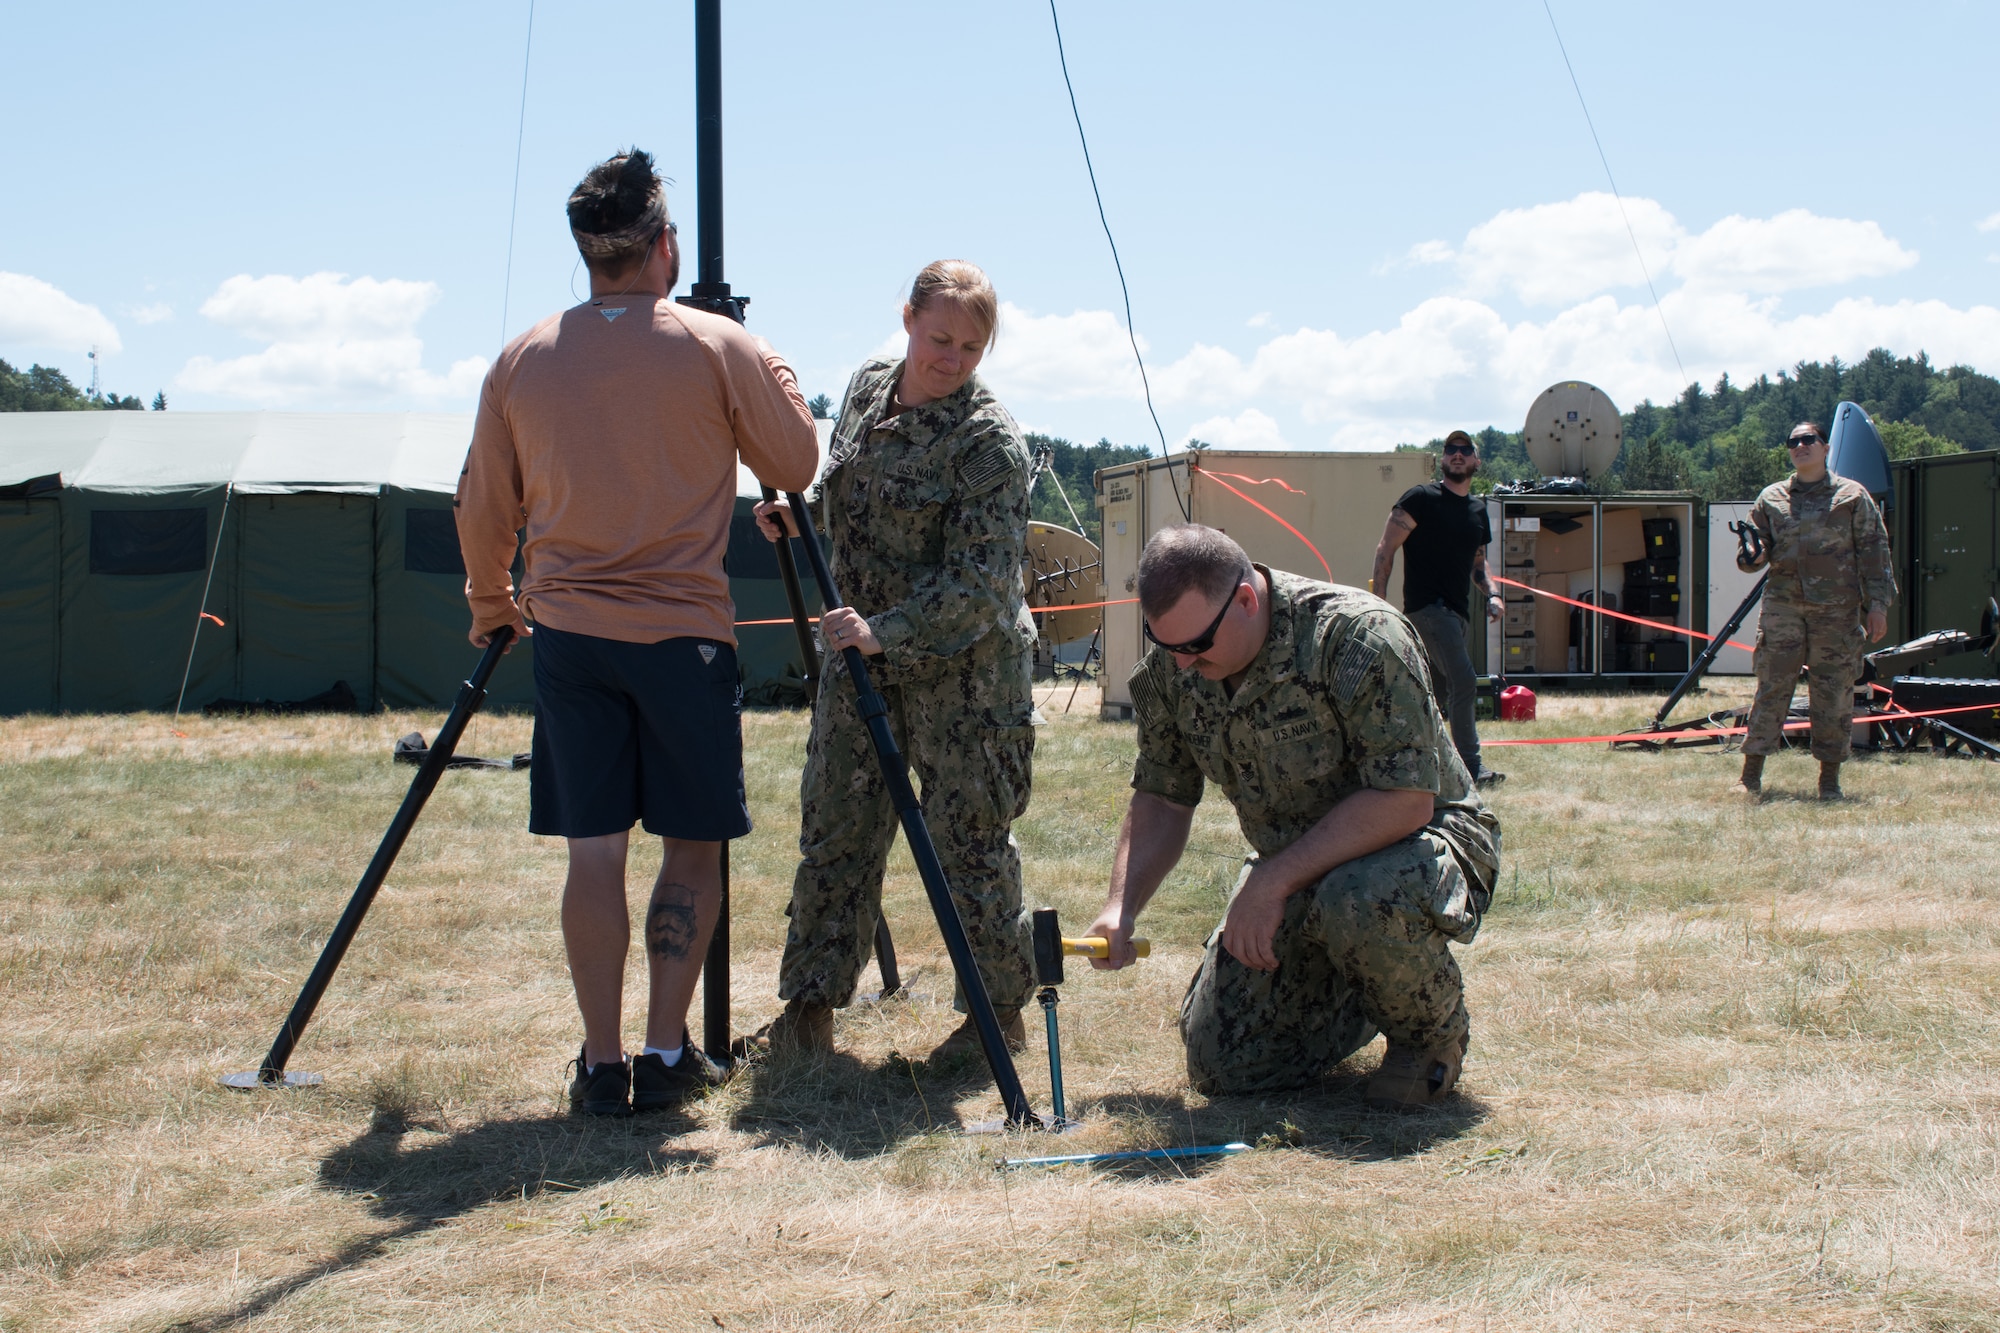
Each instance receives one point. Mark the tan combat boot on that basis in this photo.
(803, 1028)
(1410, 1079)
(964, 1039)
(1752, 781)
(1829, 781)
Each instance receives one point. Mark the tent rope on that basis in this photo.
(203, 614)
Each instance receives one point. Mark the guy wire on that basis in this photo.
(1098, 195)
(1614, 191)
(206, 584)
(514, 203)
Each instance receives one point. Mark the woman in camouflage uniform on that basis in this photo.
(1830, 584)
(925, 505)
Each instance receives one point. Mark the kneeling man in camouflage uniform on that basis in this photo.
(1310, 706)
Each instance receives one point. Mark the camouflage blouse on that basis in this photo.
(1339, 701)
(1827, 544)
(927, 514)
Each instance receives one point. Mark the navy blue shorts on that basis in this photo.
(650, 733)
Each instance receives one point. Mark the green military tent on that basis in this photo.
(322, 543)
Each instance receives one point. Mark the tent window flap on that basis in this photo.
(148, 541)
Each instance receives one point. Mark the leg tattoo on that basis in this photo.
(670, 922)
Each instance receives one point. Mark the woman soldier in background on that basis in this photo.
(925, 504)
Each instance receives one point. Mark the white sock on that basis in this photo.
(670, 1057)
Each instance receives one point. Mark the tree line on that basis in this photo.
(46, 389)
(1727, 442)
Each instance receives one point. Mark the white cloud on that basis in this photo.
(1991, 222)
(1248, 429)
(35, 314)
(1729, 293)
(331, 340)
(1260, 320)
(1555, 254)
(157, 313)
(1058, 357)
(1792, 250)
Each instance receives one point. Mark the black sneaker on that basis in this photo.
(1488, 778)
(600, 1091)
(657, 1085)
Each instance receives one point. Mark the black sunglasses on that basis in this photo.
(1798, 440)
(1203, 641)
(1460, 449)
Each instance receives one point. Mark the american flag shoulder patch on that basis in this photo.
(985, 469)
(1145, 694)
(1352, 668)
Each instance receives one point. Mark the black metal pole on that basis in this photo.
(788, 573)
(1708, 652)
(715, 976)
(709, 291)
(470, 695)
(895, 772)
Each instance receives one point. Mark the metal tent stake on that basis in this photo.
(895, 772)
(272, 1073)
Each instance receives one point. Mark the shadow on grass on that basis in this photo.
(444, 1175)
(837, 1103)
(1327, 1118)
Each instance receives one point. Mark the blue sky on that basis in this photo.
(1344, 225)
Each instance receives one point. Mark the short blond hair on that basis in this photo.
(961, 281)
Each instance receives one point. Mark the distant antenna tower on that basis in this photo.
(93, 372)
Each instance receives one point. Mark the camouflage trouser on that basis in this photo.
(1829, 640)
(969, 739)
(1362, 951)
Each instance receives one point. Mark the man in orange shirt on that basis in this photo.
(610, 433)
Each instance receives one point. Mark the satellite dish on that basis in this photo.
(1063, 568)
(1856, 451)
(1573, 430)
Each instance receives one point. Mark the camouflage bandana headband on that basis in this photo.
(604, 244)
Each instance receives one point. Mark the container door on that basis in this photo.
(30, 565)
(306, 608)
(1728, 586)
(1955, 564)
(1124, 531)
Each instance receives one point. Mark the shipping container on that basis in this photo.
(1338, 502)
(1942, 524)
(1643, 555)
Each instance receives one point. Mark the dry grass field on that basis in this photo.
(1733, 1067)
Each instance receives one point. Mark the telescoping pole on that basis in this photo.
(895, 772)
(471, 694)
(1708, 652)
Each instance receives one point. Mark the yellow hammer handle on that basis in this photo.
(1096, 946)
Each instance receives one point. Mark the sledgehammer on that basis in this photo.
(1051, 947)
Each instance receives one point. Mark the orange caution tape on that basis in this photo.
(1617, 615)
(1258, 481)
(1194, 469)
(1035, 610)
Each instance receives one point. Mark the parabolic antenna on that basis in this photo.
(1856, 450)
(1063, 569)
(1573, 430)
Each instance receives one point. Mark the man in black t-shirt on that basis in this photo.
(1445, 532)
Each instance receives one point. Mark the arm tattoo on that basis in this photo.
(670, 922)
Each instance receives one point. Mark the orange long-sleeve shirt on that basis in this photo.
(611, 433)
